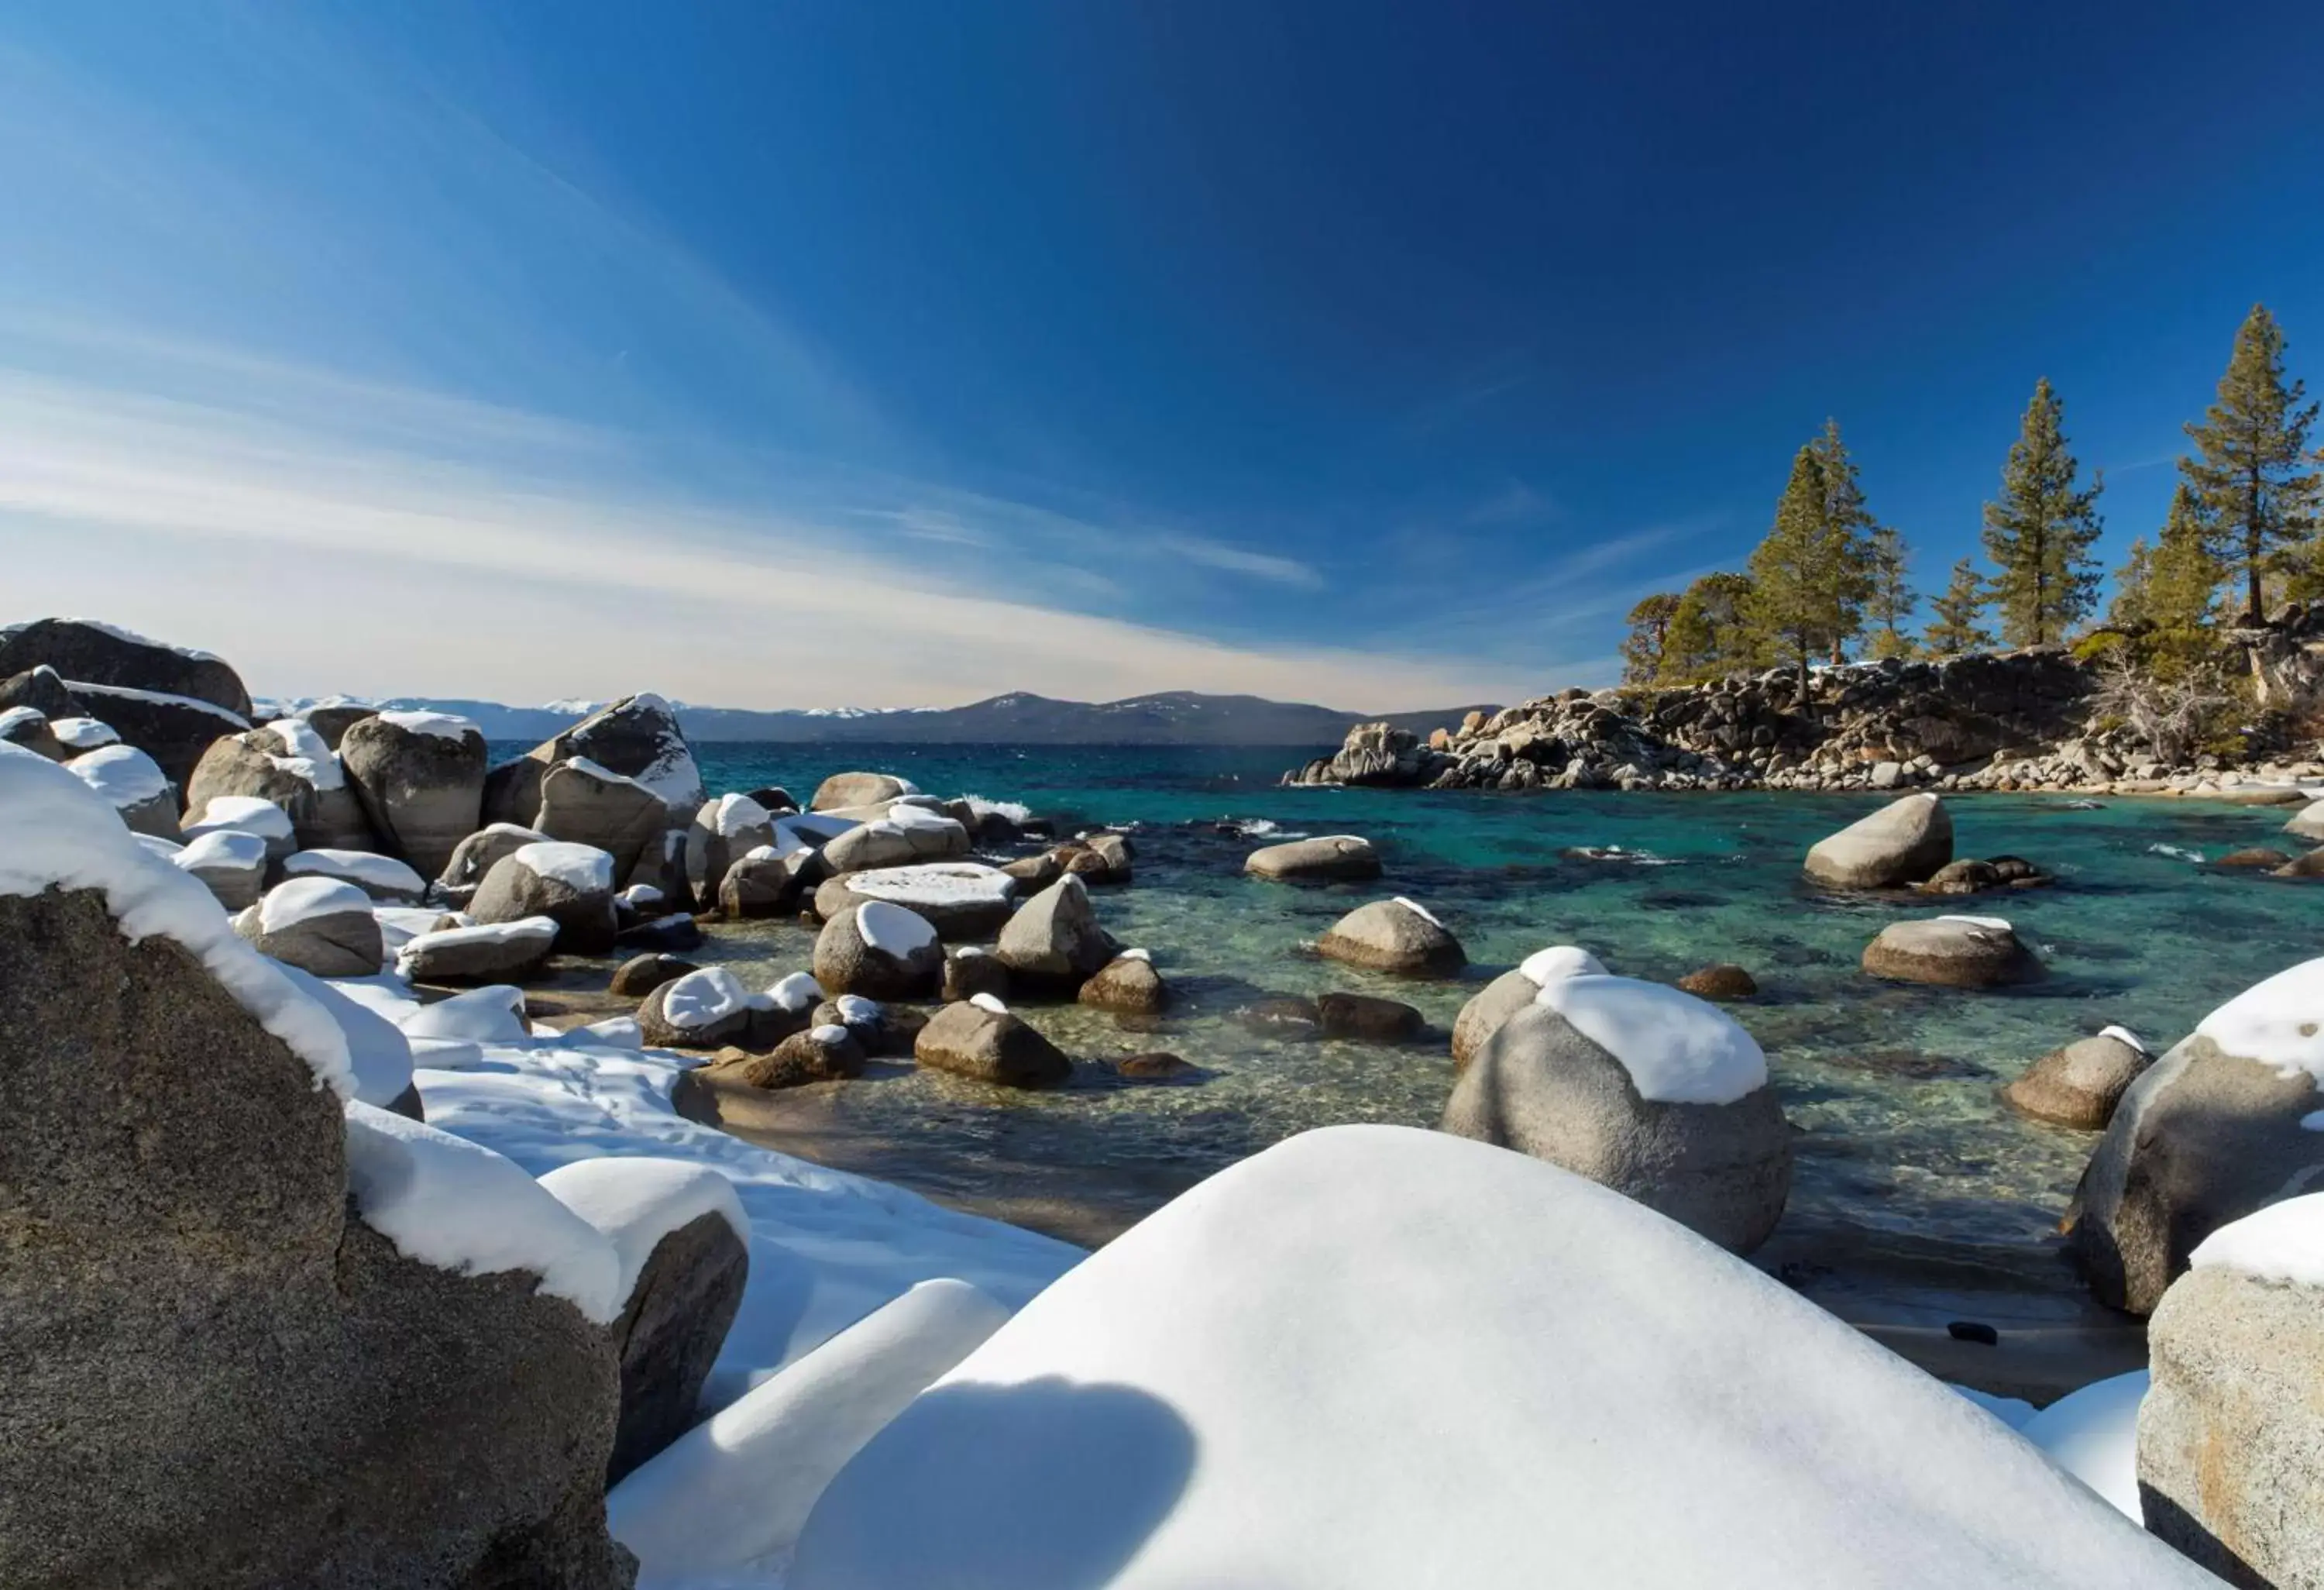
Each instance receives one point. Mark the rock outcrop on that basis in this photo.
(168, 702)
(421, 778)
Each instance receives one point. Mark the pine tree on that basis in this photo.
(2132, 584)
(1890, 600)
(1803, 575)
(1851, 528)
(2040, 533)
(1955, 628)
(1709, 633)
(2251, 478)
(2182, 577)
(1642, 649)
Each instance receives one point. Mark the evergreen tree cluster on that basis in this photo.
(2242, 530)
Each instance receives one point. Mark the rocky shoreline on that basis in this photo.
(2018, 721)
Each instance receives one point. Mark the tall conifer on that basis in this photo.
(1643, 647)
(1802, 578)
(2040, 532)
(1889, 599)
(1953, 627)
(2251, 475)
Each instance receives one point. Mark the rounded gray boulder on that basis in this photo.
(1952, 952)
(1393, 936)
(1722, 1167)
(2080, 1084)
(989, 1045)
(880, 951)
(1905, 842)
(318, 925)
(420, 776)
(571, 884)
(1331, 858)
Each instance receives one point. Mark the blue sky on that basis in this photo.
(1378, 355)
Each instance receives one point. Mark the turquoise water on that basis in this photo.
(1894, 1089)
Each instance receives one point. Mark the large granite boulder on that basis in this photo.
(332, 719)
(1905, 842)
(383, 877)
(1512, 991)
(880, 951)
(2080, 1084)
(420, 776)
(570, 884)
(318, 925)
(983, 1041)
(1393, 936)
(721, 833)
(1053, 941)
(905, 835)
(586, 803)
(484, 849)
(2231, 1431)
(1331, 858)
(168, 702)
(637, 736)
(2210, 1132)
(1952, 952)
(841, 791)
(485, 952)
(245, 814)
(286, 763)
(224, 1369)
(960, 899)
(133, 784)
(685, 1248)
(2306, 823)
(1642, 1088)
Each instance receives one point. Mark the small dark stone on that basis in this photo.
(1723, 981)
(2258, 857)
(678, 930)
(640, 974)
(1156, 1067)
(1290, 1015)
(1974, 1330)
(1368, 1017)
(775, 798)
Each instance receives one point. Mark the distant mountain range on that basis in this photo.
(1174, 718)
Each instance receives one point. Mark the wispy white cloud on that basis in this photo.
(1267, 566)
(323, 562)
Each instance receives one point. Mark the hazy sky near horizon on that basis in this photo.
(1371, 354)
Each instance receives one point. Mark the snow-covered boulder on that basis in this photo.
(880, 950)
(960, 899)
(223, 1370)
(1330, 859)
(764, 882)
(379, 1054)
(986, 1043)
(571, 884)
(732, 1493)
(684, 1245)
(2231, 1433)
(2226, 1122)
(905, 835)
(420, 776)
(83, 733)
(41, 688)
(1376, 1357)
(133, 784)
(1641, 1088)
(320, 925)
(483, 850)
(244, 814)
(825, 1052)
(638, 737)
(1128, 984)
(383, 877)
(701, 1010)
(1952, 952)
(1512, 991)
(723, 832)
(841, 791)
(168, 702)
(1053, 941)
(584, 802)
(1393, 936)
(1905, 842)
(2080, 1084)
(970, 971)
(232, 866)
(27, 728)
(288, 764)
(484, 952)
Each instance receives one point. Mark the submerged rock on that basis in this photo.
(1368, 1018)
(1724, 981)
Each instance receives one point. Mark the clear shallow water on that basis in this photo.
(1894, 1089)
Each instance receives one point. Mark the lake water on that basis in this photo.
(1892, 1089)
